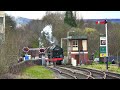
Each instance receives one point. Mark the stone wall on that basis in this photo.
(18, 67)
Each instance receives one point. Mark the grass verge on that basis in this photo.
(36, 72)
(112, 68)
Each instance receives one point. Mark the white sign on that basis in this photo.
(74, 62)
(102, 41)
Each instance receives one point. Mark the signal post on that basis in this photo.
(104, 43)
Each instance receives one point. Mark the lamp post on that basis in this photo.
(118, 58)
(81, 61)
(83, 57)
(62, 41)
(39, 41)
(68, 43)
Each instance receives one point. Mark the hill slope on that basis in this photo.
(22, 21)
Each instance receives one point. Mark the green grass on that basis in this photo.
(101, 66)
(36, 72)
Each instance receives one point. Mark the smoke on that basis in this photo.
(54, 41)
(48, 33)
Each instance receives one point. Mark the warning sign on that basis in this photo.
(102, 54)
(102, 41)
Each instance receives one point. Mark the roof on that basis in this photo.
(77, 37)
(33, 48)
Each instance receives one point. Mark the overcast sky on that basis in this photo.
(84, 14)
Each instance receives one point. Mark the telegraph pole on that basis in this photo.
(68, 44)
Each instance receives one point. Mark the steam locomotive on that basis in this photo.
(55, 54)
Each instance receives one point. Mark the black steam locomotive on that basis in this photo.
(55, 54)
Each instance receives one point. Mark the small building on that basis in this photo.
(77, 49)
(2, 22)
(2, 27)
(34, 52)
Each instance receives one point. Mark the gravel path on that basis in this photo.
(8, 76)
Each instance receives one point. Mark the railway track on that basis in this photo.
(93, 74)
(113, 75)
(96, 74)
(63, 73)
(107, 75)
(71, 74)
(76, 73)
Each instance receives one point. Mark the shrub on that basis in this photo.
(101, 62)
